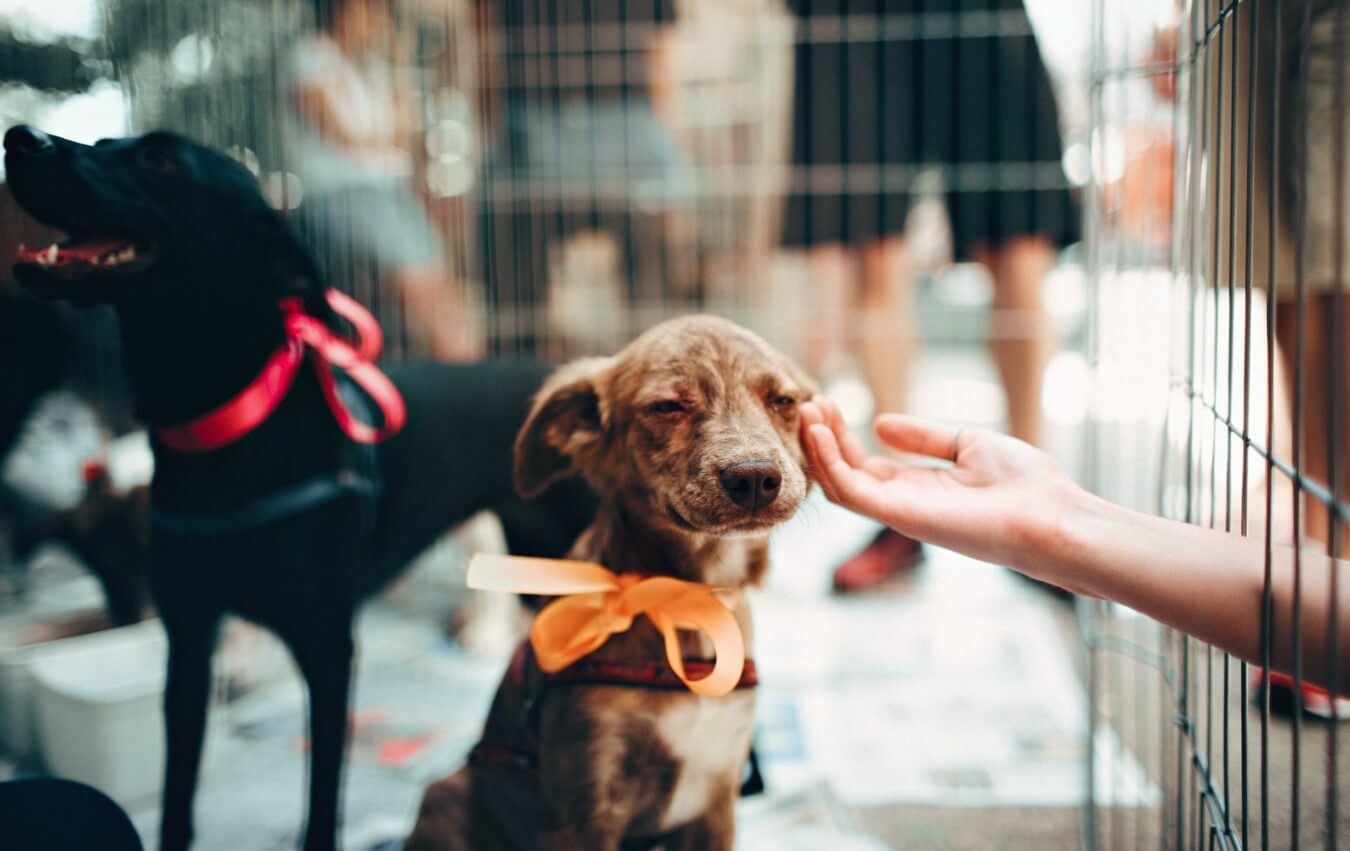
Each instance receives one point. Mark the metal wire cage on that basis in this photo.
(548, 224)
(1215, 252)
(1219, 202)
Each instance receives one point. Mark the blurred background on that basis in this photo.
(1029, 216)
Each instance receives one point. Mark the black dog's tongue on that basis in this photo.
(99, 251)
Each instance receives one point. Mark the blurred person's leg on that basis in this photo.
(889, 328)
(1021, 336)
(1311, 144)
(888, 343)
(1307, 140)
(409, 253)
(833, 298)
(438, 313)
(1317, 398)
(1318, 150)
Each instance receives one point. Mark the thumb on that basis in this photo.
(917, 436)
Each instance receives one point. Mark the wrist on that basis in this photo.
(1061, 541)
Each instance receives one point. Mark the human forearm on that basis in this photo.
(314, 106)
(1206, 583)
(334, 121)
(1002, 501)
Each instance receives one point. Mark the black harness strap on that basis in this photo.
(358, 473)
(264, 510)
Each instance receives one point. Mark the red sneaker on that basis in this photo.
(889, 553)
(1316, 700)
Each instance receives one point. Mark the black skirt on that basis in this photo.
(886, 90)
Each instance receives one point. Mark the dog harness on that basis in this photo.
(516, 745)
(305, 334)
(595, 605)
(255, 403)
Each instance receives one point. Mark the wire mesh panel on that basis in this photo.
(1219, 148)
(549, 177)
(515, 177)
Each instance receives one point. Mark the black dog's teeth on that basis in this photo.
(55, 254)
(117, 258)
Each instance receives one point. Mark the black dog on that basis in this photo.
(294, 524)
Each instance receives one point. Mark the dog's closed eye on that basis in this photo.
(667, 407)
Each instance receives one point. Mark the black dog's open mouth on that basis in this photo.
(89, 256)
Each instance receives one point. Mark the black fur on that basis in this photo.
(198, 320)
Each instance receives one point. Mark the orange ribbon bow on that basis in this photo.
(594, 604)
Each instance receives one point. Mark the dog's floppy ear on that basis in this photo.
(565, 426)
(289, 266)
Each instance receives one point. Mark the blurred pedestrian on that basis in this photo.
(347, 125)
(581, 99)
(882, 91)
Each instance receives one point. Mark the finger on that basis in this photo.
(920, 436)
(811, 414)
(823, 411)
(849, 487)
(853, 450)
(814, 459)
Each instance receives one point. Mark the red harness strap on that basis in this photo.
(517, 748)
(653, 675)
(252, 406)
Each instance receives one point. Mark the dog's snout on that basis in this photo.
(31, 141)
(752, 484)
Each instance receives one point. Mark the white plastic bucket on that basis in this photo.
(21, 643)
(99, 710)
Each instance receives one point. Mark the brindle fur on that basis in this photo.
(618, 764)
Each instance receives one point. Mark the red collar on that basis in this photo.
(650, 675)
(252, 406)
(513, 744)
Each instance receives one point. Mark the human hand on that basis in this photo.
(998, 499)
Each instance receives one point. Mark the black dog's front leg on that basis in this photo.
(186, 693)
(325, 660)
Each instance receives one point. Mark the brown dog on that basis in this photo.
(690, 436)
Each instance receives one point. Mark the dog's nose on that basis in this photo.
(752, 484)
(22, 139)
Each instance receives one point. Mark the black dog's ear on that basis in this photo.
(564, 428)
(287, 264)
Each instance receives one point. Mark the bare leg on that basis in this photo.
(1021, 336)
(439, 314)
(827, 332)
(889, 331)
(1316, 401)
(888, 341)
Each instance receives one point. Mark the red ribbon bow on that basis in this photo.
(256, 402)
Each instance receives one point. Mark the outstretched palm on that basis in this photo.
(973, 491)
